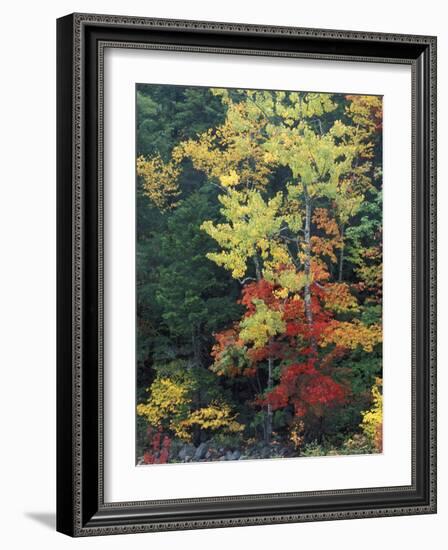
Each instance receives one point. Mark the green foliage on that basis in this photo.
(169, 114)
(226, 440)
(191, 291)
(354, 445)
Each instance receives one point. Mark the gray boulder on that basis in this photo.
(265, 452)
(200, 452)
(187, 450)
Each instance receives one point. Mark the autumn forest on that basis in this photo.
(259, 274)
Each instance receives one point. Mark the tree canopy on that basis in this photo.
(259, 271)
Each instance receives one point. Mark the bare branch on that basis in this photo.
(246, 279)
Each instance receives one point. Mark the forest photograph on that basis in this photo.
(258, 274)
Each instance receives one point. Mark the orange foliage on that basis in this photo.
(350, 335)
(338, 298)
(325, 245)
(224, 339)
(323, 221)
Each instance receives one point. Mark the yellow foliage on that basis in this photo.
(168, 400)
(281, 292)
(231, 180)
(372, 420)
(252, 224)
(276, 256)
(351, 335)
(347, 201)
(159, 181)
(296, 433)
(337, 297)
(217, 416)
(289, 280)
(317, 162)
(263, 130)
(262, 325)
(234, 147)
(365, 111)
(170, 405)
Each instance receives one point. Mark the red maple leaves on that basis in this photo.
(159, 447)
(306, 380)
(306, 388)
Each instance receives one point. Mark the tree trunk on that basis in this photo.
(269, 413)
(341, 255)
(270, 383)
(257, 267)
(307, 264)
(196, 344)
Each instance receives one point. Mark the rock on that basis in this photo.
(187, 450)
(222, 458)
(208, 455)
(235, 455)
(244, 457)
(201, 451)
(265, 452)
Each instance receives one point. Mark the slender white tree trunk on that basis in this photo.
(307, 264)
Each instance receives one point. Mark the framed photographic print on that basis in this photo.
(246, 274)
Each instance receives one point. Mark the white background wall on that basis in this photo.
(27, 273)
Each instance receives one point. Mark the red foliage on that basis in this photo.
(296, 322)
(294, 309)
(159, 447)
(259, 290)
(323, 390)
(278, 398)
(273, 349)
(302, 385)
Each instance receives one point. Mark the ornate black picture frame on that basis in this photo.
(81, 509)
